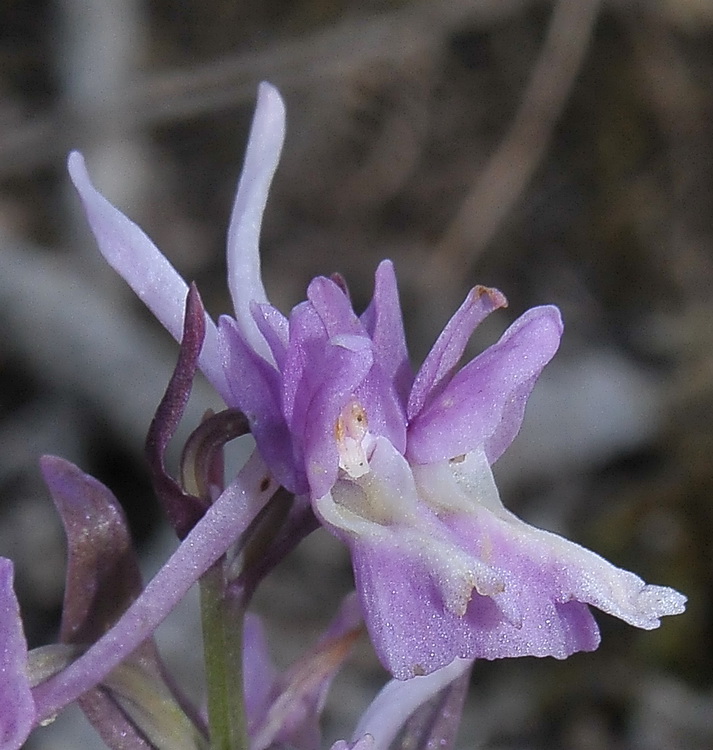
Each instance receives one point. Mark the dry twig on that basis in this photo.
(499, 186)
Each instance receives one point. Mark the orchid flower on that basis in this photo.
(396, 465)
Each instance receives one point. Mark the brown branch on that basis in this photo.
(322, 58)
(499, 186)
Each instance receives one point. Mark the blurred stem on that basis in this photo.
(222, 619)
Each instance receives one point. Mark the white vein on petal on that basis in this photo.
(261, 157)
(131, 253)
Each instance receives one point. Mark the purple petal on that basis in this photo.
(414, 633)
(102, 572)
(333, 308)
(131, 253)
(414, 581)
(320, 375)
(261, 157)
(259, 673)
(541, 567)
(437, 582)
(398, 700)
(484, 403)
(275, 328)
(17, 709)
(330, 379)
(376, 393)
(255, 390)
(448, 349)
(384, 323)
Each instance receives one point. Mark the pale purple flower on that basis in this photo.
(395, 464)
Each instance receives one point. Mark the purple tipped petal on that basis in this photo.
(438, 366)
(414, 633)
(484, 403)
(131, 253)
(263, 152)
(542, 567)
(377, 392)
(445, 571)
(329, 381)
(320, 375)
(17, 709)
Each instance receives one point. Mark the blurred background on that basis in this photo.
(562, 152)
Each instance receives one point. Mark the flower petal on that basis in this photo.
(384, 323)
(259, 673)
(134, 256)
(275, 328)
(541, 565)
(103, 576)
(398, 700)
(17, 709)
(261, 157)
(293, 718)
(255, 390)
(450, 345)
(484, 403)
(377, 391)
(415, 583)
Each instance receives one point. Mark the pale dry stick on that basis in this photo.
(322, 58)
(499, 186)
(682, 106)
(100, 46)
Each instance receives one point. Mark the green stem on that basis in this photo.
(222, 620)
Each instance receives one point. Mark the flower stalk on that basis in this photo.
(222, 619)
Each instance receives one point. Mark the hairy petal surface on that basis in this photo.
(445, 571)
(549, 579)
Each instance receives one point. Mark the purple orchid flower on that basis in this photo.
(396, 465)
